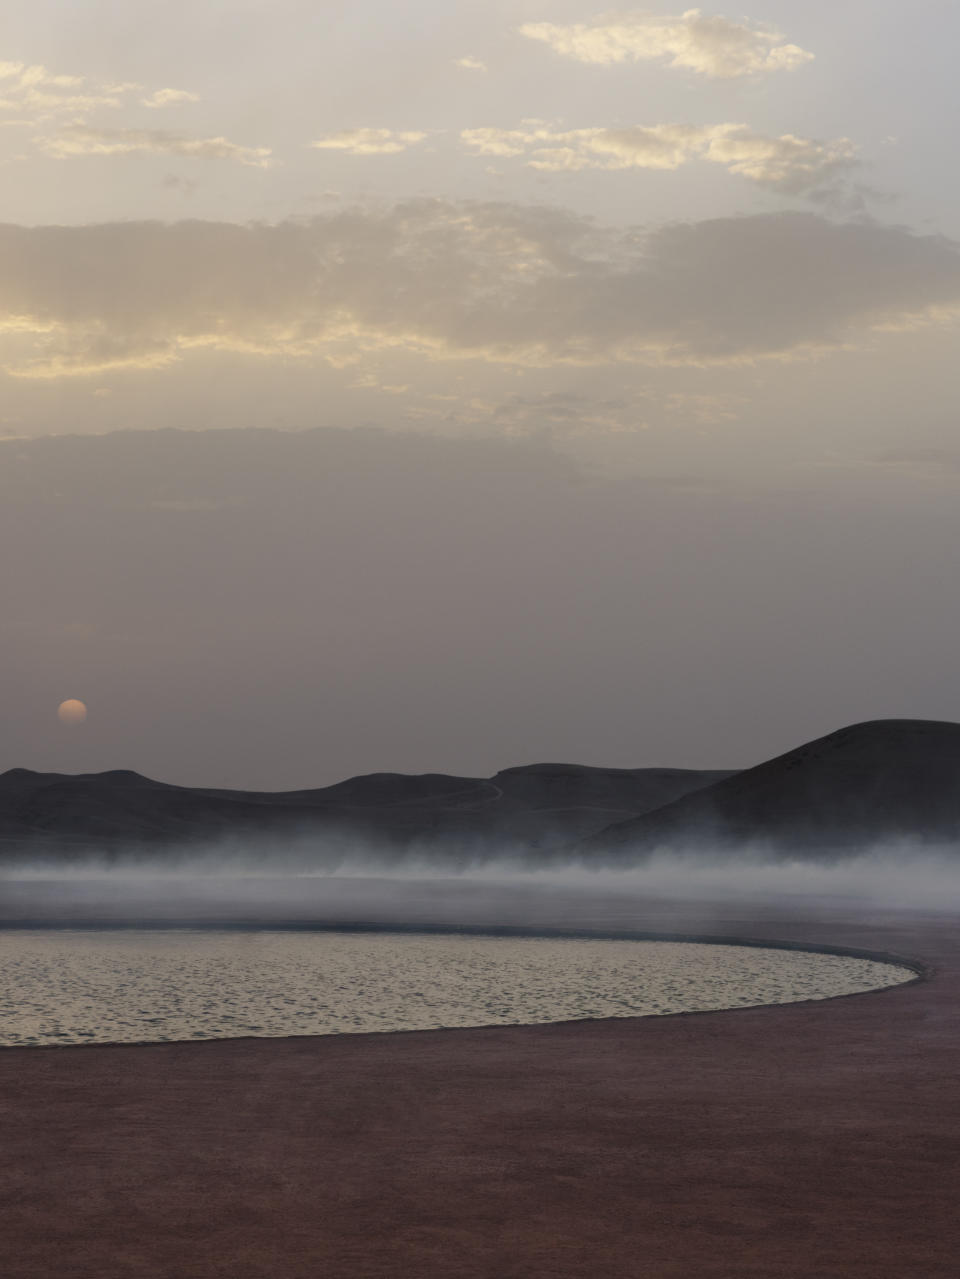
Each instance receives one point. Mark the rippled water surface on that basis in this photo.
(63, 987)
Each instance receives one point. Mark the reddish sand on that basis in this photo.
(815, 1140)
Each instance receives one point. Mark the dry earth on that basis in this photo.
(808, 1140)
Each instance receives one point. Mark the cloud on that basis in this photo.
(711, 46)
(557, 414)
(788, 164)
(792, 165)
(442, 280)
(501, 142)
(470, 64)
(32, 94)
(35, 94)
(368, 141)
(664, 146)
(80, 141)
(169, 98)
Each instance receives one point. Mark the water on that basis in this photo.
(71, 987)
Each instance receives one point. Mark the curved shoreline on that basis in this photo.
(905, 964)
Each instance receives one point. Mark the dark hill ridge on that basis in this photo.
(877, 782)
(881, 781)
(528, 808)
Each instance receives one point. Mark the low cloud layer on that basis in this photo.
(790, 165)
(64, 111)
(498, 282)
(712, 46)
(369, 141)
(34, 94)
(169, 98)
(80, 141)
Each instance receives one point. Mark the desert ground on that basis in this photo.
(808, 1139)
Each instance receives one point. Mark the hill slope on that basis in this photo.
(522, 809)
(880, 781)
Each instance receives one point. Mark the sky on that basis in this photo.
(445, 387)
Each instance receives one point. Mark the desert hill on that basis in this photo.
(877, 782)
(528, 808)
(880, 781)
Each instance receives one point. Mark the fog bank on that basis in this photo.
(499, 892)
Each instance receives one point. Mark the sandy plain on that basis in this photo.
(816, 1139)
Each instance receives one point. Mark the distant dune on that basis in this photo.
(532, 808)
(882, 781)
(877, 782)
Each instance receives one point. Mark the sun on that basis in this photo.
(71, 711)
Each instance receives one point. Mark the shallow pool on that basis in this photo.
(68, 987)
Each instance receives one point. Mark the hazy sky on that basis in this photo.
(546, 382)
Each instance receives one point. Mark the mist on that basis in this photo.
(359, 887)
